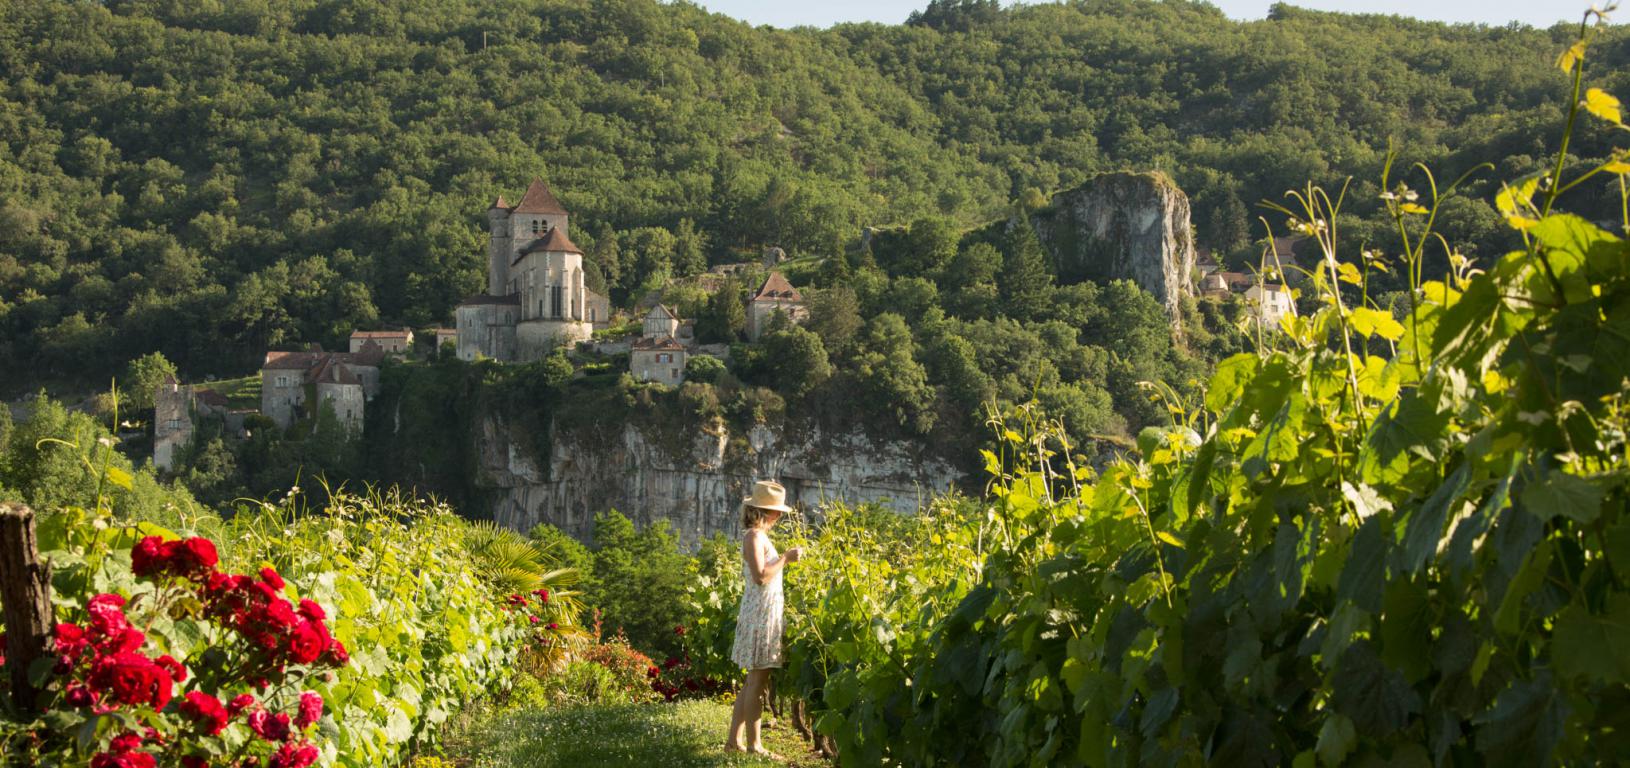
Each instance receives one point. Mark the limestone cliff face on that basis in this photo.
(1122, 226)
(696, 487)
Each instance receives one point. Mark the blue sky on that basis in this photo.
(1540, 13)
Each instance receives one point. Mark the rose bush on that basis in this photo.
(278, 637)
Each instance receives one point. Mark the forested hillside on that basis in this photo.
(208, 180)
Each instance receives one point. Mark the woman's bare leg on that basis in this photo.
(754, 709)
(738, 713)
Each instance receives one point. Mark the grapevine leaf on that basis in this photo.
(1561, 493)
(1570, 57)
(1372, 322)
(1375, 696)
(1337, 737)
(119, 477)
(1361, 576)
(1158, 711)
(1169, 539)
(1245, 740)
(1603, 105)
(1524, 725)
(1529, 578)
(1591, 646)
(1425, 528)
(1406, 629)
(1229, 381)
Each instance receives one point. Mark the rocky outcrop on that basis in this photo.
(1122, 226)
(697, 487)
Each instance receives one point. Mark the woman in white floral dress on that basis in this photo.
(761, 620)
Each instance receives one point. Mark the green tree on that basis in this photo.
(888, 368)
(1025, 282)
(725, 317)
(690, 249)
(142, 378)
(704, 369)
(834, 315)
(634, 571)
(795, 359)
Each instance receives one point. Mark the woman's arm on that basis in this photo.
(752, 550)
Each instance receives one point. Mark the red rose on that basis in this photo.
(280, 615)
(336, 655)
(107, 620)
(70, 640)
(178, 672)
(124, 641)
(680, 630)
(151, 556)
(131, 678)
(516, 600)
(124, 760)
(534, 619)
(552, 626)
(307, 643)
(543, 595)
(194, 761)
(194, 557)
(293, 756)
(78, 695)
(311, 709)
(271, 578)
(206, 710)
(239, 703)
(269, 726)
(312, 610)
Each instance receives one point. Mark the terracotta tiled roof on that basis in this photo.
(291, 361)
(556, 241)
(659, 344)
(337, 372)
(538, 199)
(210, 397)
(500, 203)
(487, 298)
(777, 288)
(402, 334)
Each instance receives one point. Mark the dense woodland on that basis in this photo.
(210, 180)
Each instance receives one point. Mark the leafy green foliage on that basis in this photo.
(1383, 539)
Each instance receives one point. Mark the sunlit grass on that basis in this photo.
(680, 735)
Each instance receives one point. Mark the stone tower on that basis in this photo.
(499, 248)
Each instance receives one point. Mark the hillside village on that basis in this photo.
(536, 302)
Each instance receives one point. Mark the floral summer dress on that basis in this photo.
(762, 618)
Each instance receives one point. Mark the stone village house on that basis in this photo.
(658, 355)
(775, 295)
(294, 385)
(177, 408)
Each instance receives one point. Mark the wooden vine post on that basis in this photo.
(25, 593)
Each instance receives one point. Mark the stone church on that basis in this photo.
(535, 298)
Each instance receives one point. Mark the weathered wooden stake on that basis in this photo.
(25, 594)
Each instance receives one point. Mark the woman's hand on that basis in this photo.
(794, 555)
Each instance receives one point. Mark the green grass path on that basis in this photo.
(684, 735)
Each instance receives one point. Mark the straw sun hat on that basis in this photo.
(768, 494)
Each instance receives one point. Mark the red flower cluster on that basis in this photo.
(124, 752)
(193, 558)
(106, 665)
(676, 680)
(106, 670)
(207, 711)
(280, 632)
